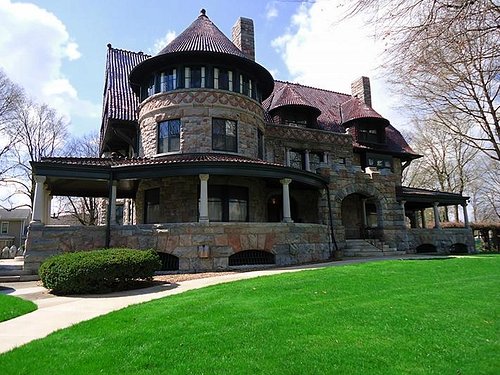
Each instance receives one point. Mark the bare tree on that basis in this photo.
(83, 209)
(485, 193)
(40, 132)
(449, 164)
(443, 56)
(12, 98)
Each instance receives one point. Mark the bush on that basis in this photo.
(97, 271)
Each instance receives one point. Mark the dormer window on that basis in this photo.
(370, 132)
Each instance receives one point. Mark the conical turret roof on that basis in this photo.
(202, 35)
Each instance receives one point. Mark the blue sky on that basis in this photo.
(56, 49)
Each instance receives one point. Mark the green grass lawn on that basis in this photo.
(394, 317)
(11, 307)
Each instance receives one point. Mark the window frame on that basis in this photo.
(159, 144)
(4, 224)
(223, 136)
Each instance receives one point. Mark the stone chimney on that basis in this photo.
(243, 37)
(360, 88)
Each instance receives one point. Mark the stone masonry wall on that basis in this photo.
(195, 109)
(441, 238)
(291, 243)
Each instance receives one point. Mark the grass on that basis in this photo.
(394, 317)
(12, 307)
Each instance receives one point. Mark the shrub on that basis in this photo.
(97, 271)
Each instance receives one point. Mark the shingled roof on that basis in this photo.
(354, 109)
(288, 95)
(120, 102)
(202, 35)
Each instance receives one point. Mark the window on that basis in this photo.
(296, 159)
(169, 136)
(379, 161)
(315, 159)
(295, 119)
(152, 206)
(194, 77)
(224, 135)
(369, 135)
(223, 79)
(4, 228)
(168, 80)
(245, 85)
(227, 203)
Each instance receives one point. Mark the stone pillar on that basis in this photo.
(112, 203)
(204, 198)
(306, 160)
(287, 215)
(466, 216)
(365, 219)
(422, 216)
(404, 212)
(325, 157)
(39, 200)
(437, 224)
(287, 157)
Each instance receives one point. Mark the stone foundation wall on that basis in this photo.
(291, 243)
(441, 238)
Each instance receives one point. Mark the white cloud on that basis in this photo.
(161, 43)
(271, 10)
(34, 43)
(320, 49)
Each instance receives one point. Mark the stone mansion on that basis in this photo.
(208, 160)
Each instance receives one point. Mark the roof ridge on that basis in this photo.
(110, 47)
(312, 87)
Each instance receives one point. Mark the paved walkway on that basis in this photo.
(55, 313)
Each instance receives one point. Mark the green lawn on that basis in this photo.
(394, 317)
(11, 307)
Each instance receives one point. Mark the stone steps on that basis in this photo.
(12, 270)
(368, 248)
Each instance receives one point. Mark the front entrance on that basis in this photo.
(359, 216)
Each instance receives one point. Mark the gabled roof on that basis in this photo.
(202, 35)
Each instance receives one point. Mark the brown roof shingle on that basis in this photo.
(202, 35)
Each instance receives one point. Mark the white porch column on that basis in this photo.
(466, 216)
(39, 200)
(204, 198)
(287, 213)
(307, 160)
(437, 224)
(365, 219)
(112, 203)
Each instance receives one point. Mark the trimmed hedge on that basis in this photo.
(98, 271)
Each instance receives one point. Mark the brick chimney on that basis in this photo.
(243, 37)
(360, 88)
